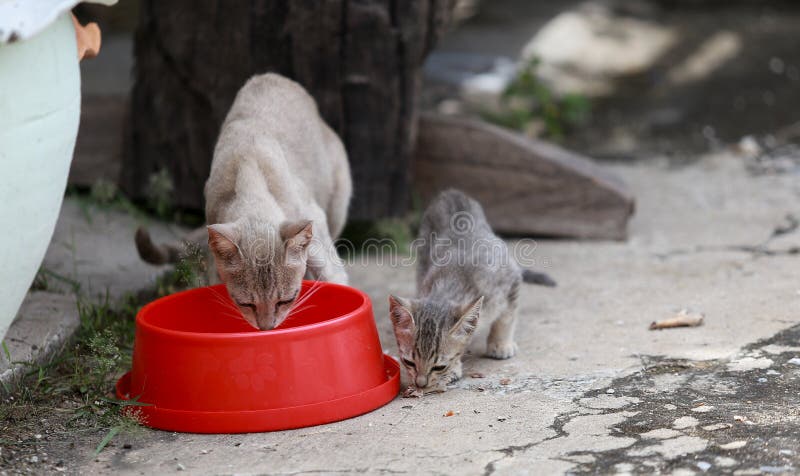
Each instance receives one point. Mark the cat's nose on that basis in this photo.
(422, 381)
(265, 323)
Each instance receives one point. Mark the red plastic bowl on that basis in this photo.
(199, 367)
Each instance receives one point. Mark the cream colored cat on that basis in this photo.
(276, 198)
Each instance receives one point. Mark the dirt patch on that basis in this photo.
(64, 407)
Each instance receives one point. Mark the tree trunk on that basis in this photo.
(360, 59)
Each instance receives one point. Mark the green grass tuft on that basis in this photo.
(529, 101)
(159, 193)
(105, 195)
(189, 272)
(71, 393)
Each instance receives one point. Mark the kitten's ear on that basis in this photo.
(297, 236)
(403, 321)
(222, 239)
(466, 324)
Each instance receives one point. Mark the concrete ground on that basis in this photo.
(92, 255)
(592, 389)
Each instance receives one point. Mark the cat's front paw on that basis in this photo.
(412, 392)
(501, 350)
(452, 378)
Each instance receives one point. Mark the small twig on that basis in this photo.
(683, 319)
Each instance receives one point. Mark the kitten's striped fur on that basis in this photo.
(464, 271)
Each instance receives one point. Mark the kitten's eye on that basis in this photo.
(248, 305)
(439, 368)
(409, 363)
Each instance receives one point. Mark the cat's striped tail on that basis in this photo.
(532, 277)
(164, 253)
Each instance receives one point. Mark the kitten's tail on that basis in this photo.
(532, 277)
(165, 252)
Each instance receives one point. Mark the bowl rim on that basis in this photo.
(143, 325)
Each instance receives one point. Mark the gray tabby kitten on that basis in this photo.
(276, 198)
(465, 271)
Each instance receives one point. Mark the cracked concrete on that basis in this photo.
(592, 390)
(749, 429)
(35, 335)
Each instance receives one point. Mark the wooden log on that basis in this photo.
(360, 59)
(527, 187)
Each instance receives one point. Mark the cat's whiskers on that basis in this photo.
(300, 301)
(228, 309)
(225, 301)
(229, 313)
(295, 311)
(222, 299)
(315, 286)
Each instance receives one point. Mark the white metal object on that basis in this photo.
(22, 19)
(39, 114)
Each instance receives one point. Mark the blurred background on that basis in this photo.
(611, 80)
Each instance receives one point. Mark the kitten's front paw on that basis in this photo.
(412, 392)
(452, 378)
(501, 350)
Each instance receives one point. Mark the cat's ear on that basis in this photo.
(222, 239)
(297, 236)
(403, 322)
(466, 324)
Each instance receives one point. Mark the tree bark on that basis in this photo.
(360, 59)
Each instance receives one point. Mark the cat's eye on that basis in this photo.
(438, 368)
(288, 301)
(409, 363)
(248, 305)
